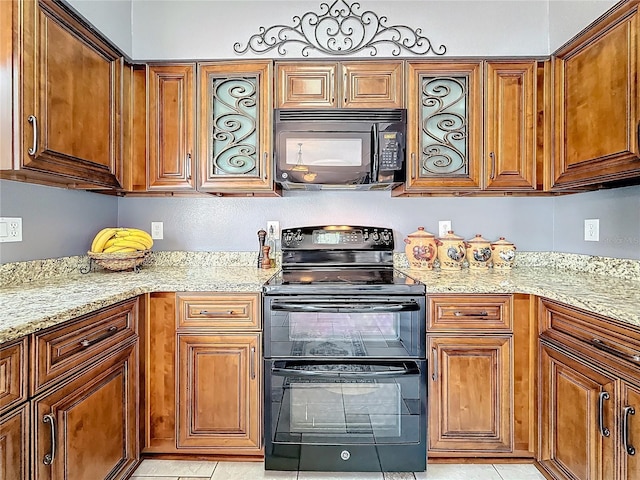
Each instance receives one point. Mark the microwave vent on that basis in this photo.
(389, 115)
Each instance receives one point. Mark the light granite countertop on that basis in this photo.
(44, 301)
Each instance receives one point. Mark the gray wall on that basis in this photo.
(55, 222)
(568, 17)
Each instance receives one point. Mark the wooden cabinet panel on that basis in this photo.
(219, 380)
(597, 107)
(373, 84)
(14, 444)
(172, 136)
(94, 422)
(630, 432)
(66, 349)
(444, 132)
(468, 312)
(572, 443)
(510, 126)
(222, 311)
(471, 383)
(235, 157)
(302, 85)
(13, 374)
(71, 97)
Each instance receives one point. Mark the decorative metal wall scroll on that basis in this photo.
(339, 29)
(444, 126)
(233, 130)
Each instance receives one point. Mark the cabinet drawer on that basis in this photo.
(13, 374)
(602, 333)
(469, 312)
(68, 348)
(225, 311)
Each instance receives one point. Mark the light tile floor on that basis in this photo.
(197, 470)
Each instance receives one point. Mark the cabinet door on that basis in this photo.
(630, 432)
(71, 98)
(171, 127)
(597, 110)
(470, 395)
(235, 128)
(87, 429)
(574, 443)
(510, 131)
(219, 393)
(444, 131)
(14, 444)
(372, 84)
(306, 85)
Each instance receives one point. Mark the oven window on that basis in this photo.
(346, 403)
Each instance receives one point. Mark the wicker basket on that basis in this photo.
(119, 261)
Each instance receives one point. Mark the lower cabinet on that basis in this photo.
(203, 374)
(14, 444)
(87, 428)
(589, 395)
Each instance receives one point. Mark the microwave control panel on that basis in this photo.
(391, 155)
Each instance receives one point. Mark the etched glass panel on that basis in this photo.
(443, 110)
(234, 126)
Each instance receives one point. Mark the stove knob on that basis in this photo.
(376, 236)
(386, 236)
(298, 236)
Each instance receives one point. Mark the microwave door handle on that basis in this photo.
(375, 146)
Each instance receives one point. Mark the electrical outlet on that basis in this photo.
(443, 227)
(10, 229)
(157, 230)
(592, 230)
(273, 228)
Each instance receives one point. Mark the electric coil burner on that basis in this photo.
(344, 347)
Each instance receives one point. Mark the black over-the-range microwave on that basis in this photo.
(360, 149)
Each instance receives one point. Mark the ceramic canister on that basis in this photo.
(421, 249)
(478, 252)
(503, 253)
(451, 251)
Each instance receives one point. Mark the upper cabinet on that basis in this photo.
(444, 130)
(235, 127)
(597, 110)
(355, 84)
(68, 83)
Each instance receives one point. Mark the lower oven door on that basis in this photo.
(350, 416)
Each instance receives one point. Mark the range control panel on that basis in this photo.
(337, 237)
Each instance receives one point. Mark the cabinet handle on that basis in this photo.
(479, 314)
(596, 342)
(188, 166)
(492, 175)
(604, 431)
(625, 430)
(414, 167)
(332, 87)
(110, 332)
(34, 121)
(50, 457)
(211, 313)
(434, 355)
(345, 88)
(252, 363)
(265, 157)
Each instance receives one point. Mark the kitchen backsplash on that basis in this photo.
(35, 270)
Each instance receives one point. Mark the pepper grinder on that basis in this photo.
(262, 234)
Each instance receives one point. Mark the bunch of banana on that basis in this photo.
(121, 240)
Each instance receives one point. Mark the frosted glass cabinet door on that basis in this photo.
(444, 148)
(235, 127)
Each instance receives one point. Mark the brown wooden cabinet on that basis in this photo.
(235, 128)
(68, 120)
(172, 127)
(203, 371)
(481, 393)
(589, 393)
(597, 103)
(353, 84)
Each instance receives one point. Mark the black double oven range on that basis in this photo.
(344, 347)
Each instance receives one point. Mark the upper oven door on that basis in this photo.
(344, 327)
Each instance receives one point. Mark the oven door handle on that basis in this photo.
(345, 307)
(408, 370)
